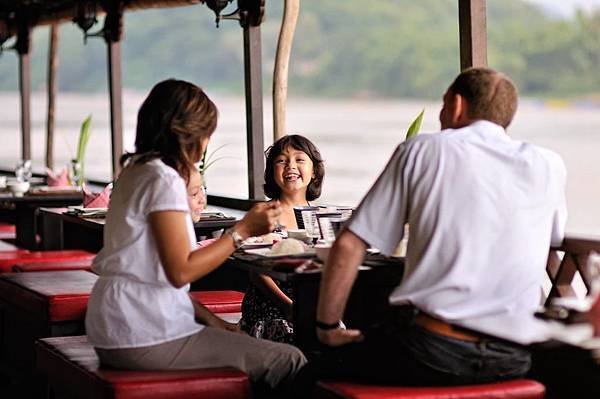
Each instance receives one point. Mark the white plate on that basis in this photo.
(80, 208)
(266, 252)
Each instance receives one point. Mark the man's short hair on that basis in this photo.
(490, 95)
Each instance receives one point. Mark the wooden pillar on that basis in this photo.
(473, 33)
(23, 48)
(254, 110)
(116, 104)
(52, 68)
(281, 70)
(113, 25)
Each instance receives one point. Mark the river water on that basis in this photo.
(356, 137)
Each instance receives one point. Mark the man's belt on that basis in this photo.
(443, 328)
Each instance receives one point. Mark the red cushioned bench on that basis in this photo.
(35, 305)
(514, 389)
(71, 366)
(220, 301)
(11, 258)
(7, 230)
(53, 266)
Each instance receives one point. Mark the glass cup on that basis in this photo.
(23, 170)
(76, 173)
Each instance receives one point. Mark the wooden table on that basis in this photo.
(65, 231)
(368, 302)
(26, 208)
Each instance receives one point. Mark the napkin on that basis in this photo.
(57, 179)
(96, 200)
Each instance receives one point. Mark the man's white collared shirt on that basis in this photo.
(483, 211)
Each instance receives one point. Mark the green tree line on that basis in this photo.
(388, 48)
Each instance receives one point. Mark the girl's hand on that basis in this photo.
(261, 219)
(217, 322)
(339, 336)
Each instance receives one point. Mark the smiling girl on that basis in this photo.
(293, 175)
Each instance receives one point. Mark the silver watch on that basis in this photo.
(238, 241)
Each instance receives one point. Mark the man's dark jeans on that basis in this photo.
(401, 353)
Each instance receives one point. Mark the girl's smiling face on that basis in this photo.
(293, 170)
(196, 195)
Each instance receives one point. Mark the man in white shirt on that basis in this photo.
(483, 210)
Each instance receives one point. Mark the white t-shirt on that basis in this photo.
(133, 304)
(483, 210)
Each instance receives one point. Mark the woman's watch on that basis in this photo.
(328, 326)
(238, 241)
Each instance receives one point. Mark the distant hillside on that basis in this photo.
(396, 48)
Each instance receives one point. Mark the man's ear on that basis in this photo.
(460, 115)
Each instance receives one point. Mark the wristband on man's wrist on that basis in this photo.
(328, 326)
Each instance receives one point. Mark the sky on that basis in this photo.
(566, 8)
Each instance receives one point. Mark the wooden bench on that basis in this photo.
(8, 259)
(220, 301)
(53, 266)
(7, 231)
(36, 305)
(514, 389)
(72, 369)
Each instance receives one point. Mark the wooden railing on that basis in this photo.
(566, 261)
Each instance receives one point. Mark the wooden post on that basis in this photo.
(52, 68)
(254, 111)
(473, 33)
(23, 48)
(113, 26)
(281, 70)
(116, 107)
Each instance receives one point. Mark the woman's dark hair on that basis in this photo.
(300, 143)
(173, 120)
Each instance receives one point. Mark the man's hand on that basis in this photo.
(339, 336)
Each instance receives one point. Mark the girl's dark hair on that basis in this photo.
(173, 120)
(300, 143)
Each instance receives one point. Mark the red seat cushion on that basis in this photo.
(53, 266)
(54, 296)
(9, 259)
(70, 363)
(220, 301)
(7, 230)
(514, 389)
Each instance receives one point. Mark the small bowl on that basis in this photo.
(322, 251)
(18, 188)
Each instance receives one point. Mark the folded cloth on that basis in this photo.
(57, 180)
(96, 200)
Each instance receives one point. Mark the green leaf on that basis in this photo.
(415, 126)
(209, 158)
(84, 137)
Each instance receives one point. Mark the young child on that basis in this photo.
(294, 174)
(196, 195)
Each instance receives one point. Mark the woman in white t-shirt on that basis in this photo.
(140, 315)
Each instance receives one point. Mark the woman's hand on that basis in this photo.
(261, 219)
